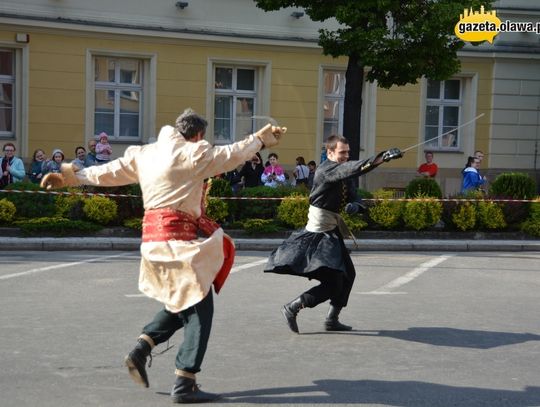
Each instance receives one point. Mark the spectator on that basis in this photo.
(12, 167)
(312, 167)
(301, 171)
(54, 164)
(472, 180)
(235, 180)
(80, 160)
(273, 174)
(251, 171)
(324, 157)
(36, 166)
(480, 155)
(429, 168)
(91, 155)
(103, 149)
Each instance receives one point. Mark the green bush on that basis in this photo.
(422, 214)
(355, 223)
(263, 209)
(70, 206)
(133, 223)
(30, 205)
(216, 209)
(362, 193)
(293, 211)
(56, 227)
(100, 209)
(126, 207)
(532, 225)
(490, 215)
(7, 211)
(261, 226)
(385, 213)
(220, 187)
(464, 218)
(516, 185)
(426, 187)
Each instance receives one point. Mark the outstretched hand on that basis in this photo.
(52, 181)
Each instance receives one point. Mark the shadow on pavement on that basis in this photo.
(377, 392)
(452, 337)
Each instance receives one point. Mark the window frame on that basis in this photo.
(235, 94)
(441, 103)
(11, 80)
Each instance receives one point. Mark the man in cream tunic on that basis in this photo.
(177, 268)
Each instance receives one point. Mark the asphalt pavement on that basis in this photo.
(430, 329)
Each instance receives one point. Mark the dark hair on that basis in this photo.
(333, 140)
(35, 152)
(470, 160)
(80, 148)
(300, 160)
(273, 155)
(9, 145)
(189, 124)
(312, 163)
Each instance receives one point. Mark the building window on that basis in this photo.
(7, 92)
(235, 101)
(443, 112)
(333, 102)
(118, 100)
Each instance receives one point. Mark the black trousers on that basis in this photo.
(334, 286)
(197, 324)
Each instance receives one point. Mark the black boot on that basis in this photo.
(290, 311)
(186, 390)
(136, 362)
(332, 322)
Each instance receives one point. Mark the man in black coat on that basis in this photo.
(319, 251)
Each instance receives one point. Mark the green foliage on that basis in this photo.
(56, 227)
(362, 193)
(425, 187)
(219, 187)
(422, 214)
(385, 213)
(465, 216)
(355, 223)
(293, 211)
(490, 215)
(422, 34)
(261, 226)
(263, 209)
(70, 206)
(30, 205)
(532, 225)
(514, 185)
(100, 209)
(216, 209)
(133, 223)
(7, 211)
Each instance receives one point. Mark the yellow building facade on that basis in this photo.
(70, 80)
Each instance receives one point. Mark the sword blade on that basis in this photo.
(444, 134)
(269, 119)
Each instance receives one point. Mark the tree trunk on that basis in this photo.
(352, 110)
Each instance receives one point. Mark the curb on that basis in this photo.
(133, 244)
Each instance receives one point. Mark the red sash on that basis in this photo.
(161, 225)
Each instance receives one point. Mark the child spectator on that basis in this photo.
(36, 166)
(472, 180)
(103, 149)
(54, 164)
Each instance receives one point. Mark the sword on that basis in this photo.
(444, 134)
(269, 119)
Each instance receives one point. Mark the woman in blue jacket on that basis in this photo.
(12, 167)
(472, 180)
